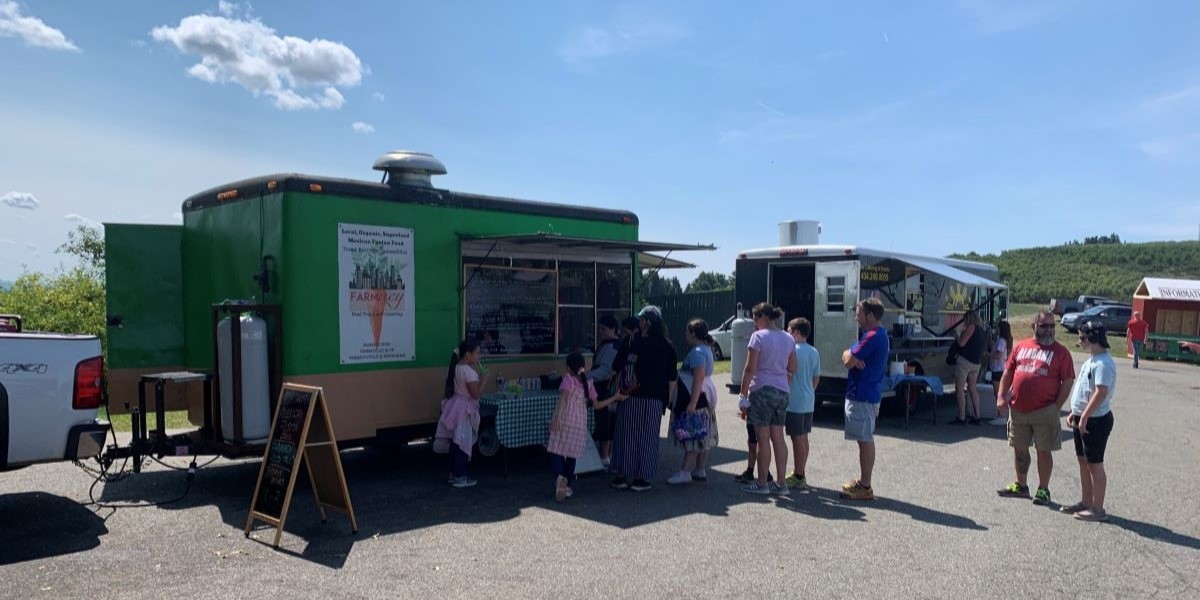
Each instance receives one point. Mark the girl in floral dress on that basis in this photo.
(568, 427)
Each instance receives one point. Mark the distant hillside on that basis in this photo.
(1113, 270)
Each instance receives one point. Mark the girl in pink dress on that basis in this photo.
(458, 426)
(568, 427)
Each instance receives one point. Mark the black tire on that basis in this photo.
(488, 442)
(716, 350)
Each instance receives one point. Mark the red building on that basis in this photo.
(1172, 309)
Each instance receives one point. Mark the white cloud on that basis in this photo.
(7, 242)
(31, 29)
(32, 247)
(596, 42)
(23, 200)
(226, 8)
(378, 96)
(361, 127)
(81, 220)
(247, 52)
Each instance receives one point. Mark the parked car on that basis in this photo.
(1115, 318)
(722, 339)
(50, 390)
(1064, 306)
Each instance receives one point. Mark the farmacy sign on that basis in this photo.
(375, 294)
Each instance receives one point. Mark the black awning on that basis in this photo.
(552, 240)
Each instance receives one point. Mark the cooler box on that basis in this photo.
(987, 400)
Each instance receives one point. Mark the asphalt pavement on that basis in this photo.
(937, 530)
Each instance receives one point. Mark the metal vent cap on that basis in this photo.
(405, 167)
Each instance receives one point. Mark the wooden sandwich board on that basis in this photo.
(300, 432)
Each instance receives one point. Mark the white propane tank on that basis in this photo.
(739, 334)
(256, 403)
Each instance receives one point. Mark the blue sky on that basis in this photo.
(931, 127)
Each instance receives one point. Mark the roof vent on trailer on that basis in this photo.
(402, 167)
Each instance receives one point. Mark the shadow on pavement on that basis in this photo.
(40, 525)
(403, 488)
(1155, 532)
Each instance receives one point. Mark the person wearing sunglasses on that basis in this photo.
(1037, 382)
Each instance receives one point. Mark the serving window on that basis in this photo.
(547, 307)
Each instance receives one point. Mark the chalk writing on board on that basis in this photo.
(281, 451)
(511, 310)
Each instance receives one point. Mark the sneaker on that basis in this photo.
(463, 482)
(607, 463)
(699, 475)
(1041, 497)
(560, 488)
(849, 485)
(746, 477)
(1074, 508)
(974, 421)
(999, 421)
(754, 488)
(639, 485)
(779, 489)
(858, 492)
(680, 478)
(570, 492)
(619, 483)
(1092, 514)
(958, 422)
(796, 481)
(1014, 490)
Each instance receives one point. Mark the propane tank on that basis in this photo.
(256, 404)
(739, 334)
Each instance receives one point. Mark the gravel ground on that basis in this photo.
(938, 529)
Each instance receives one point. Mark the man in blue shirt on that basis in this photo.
(867, 362)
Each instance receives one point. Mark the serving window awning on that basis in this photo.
(653, 261)
(553, 240)
(953, 273)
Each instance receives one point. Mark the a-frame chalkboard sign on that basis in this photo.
(301, 432)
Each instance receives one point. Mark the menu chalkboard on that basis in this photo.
(282, 451)
(301, 432)
(511, 310)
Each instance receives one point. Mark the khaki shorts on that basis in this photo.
(1041, 428)
(965, 371)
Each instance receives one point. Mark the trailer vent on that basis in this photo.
(799, 233)
(402, 167)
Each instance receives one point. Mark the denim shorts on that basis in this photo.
(768, 406)
(860, 420)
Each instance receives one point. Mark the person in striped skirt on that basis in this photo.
(648, 383)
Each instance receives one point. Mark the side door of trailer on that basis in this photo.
(833, 324)
(144, 305)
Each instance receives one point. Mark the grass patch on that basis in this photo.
(176, 419)
(722, 366)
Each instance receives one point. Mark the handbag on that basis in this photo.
(952, 354)
(689, 427)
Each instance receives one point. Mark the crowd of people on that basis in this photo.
(636, 379)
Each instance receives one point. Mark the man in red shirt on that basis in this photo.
(1037, 381)
(1136, 333)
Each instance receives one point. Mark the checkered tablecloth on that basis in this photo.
(525, 419)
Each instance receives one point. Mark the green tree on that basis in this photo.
(68, 300)
(708, 281)
(654, 284)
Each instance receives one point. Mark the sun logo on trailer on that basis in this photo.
(958, 298)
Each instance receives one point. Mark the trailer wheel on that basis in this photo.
(489, 442)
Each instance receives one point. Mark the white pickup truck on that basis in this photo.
(51, 386)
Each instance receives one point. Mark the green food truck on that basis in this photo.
(361, 288)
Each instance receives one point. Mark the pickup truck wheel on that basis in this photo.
(716, 350)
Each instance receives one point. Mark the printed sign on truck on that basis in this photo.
(375, 293)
